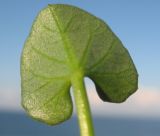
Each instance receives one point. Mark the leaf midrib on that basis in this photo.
(72, 60)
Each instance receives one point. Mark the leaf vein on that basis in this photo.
(69, 23)
(60, 90)
(104, 57)
(86, 50)
(47, 56)
(45, 77)
(41, 87)
(109, 73)
(47, 28)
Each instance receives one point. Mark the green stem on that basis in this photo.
(82, 105)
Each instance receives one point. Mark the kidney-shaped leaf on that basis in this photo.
(63, 40)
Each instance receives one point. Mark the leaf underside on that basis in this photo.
(63, 40)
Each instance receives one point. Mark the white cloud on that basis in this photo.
(10, 100)
(144, 103)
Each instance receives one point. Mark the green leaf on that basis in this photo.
(66, 40)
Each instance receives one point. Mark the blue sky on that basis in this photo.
(136, 23)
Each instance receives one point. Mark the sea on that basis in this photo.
(19, 124)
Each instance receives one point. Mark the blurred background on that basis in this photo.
(136, 23)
